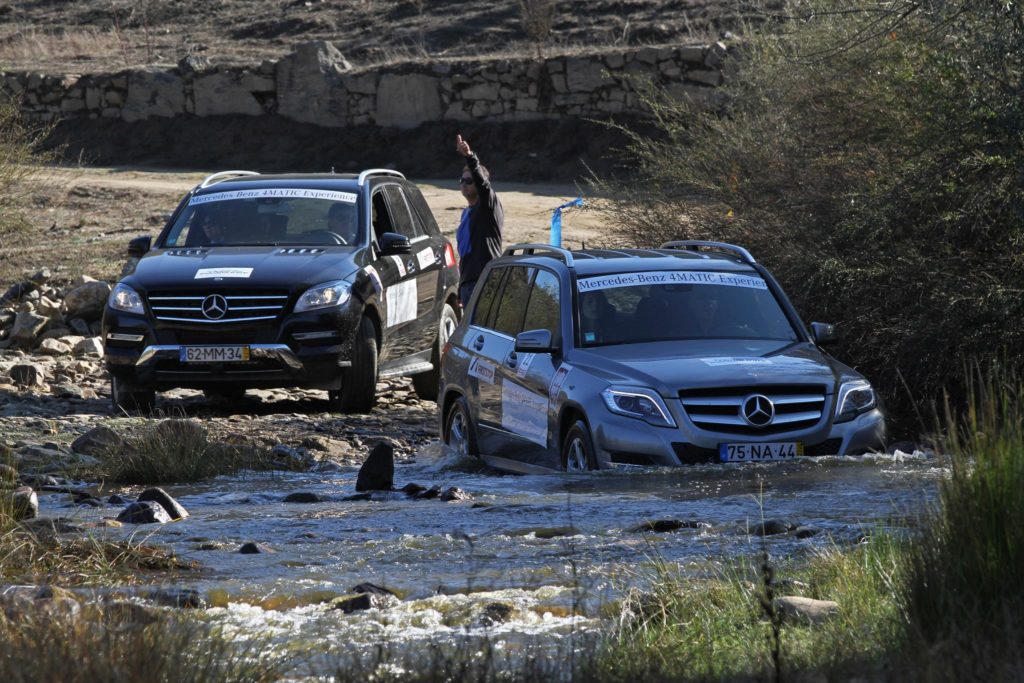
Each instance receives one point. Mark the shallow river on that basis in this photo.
(554, 548)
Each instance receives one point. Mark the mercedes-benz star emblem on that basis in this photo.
(215, 306)
(758, 410)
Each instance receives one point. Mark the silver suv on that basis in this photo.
(580, 360)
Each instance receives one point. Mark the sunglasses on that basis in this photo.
(465, 181)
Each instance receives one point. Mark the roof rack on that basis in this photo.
(223, 175)
(692, 245)
(378, 171)
(531, 248)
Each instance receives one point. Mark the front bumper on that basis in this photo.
(623, 440)
(309, 350)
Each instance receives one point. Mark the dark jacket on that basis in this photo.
(484, 226)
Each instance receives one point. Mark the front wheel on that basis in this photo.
(426, 384)
(358, 392)
(128, 400)
(458, 429)
(578, 449)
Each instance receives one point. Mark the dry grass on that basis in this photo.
(27, 45)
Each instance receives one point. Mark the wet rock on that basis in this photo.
(358, 497)
(27, 326)
(497, 613)
(89, 502)
(481, 505)
(39, 481)
(28, 375)
(454, 493)
(429, 494)
(772, 527)
(52, 347)
(357, 602)
(180, 431)
(186, 598)
(372, 589)
(251, 548)
(302, 497)
(146, 512)
(117, 500)
(157, 495)
(412, 489)
(288, 458)
(98, 441)
(800, 610)
(91, 346)
(666, 525)
(378, 472)
(23, 502)
(546, 532)
(86, 301)
(806, 531)
(211, 545)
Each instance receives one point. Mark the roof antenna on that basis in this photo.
(332, 170)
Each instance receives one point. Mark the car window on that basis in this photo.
(543, 313)
(488, 293)
(381, 218)
(421, 212)
(401, 218)
(512, 304)
(674, 305)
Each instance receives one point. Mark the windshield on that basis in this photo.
(267, 217)
(631, 308)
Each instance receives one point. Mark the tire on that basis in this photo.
(427, 384)
(358, 392)
(578, 449)
(131, 401)
(459, 434)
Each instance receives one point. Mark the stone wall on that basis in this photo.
(315, 84)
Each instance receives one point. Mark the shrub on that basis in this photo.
(869, 154)
(19, 151)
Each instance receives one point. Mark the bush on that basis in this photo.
(869, 154)
(19, 143)
(964, 609)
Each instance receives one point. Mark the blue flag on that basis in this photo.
(556, 221)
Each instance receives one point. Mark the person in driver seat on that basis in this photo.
(341, 220)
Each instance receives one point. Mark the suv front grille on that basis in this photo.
(796, 407)
(238, 305)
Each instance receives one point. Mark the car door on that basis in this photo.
(504, 322)
(400, 292)
(526, 379)
(424, 261)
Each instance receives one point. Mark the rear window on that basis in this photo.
(631, 308)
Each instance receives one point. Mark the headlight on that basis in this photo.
(124, 298)
(854, 398)
(643, 404)
(328, 294)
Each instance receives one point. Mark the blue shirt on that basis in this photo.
(462, 239)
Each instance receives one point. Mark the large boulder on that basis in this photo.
(378, 472)
(153, 92)
(27, 326)
(98, 441)
(309, 85)
(145, 512)
(799, 610)
(157, 495)
(223, 94)
(407, 100)
(86, 301)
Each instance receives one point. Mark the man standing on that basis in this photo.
(478, 236)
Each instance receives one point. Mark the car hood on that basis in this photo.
(668, 367)
(290, 268)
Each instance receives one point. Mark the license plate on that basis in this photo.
(213, 354)
(759, 452)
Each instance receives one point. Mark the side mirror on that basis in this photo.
(139, 245)
(393, 243)
(534, 341)
(824, 334)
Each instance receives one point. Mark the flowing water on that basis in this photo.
(549, 550)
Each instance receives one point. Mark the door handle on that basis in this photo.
(512, 359)
(478, 343)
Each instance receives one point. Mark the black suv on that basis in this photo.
(326, 281)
